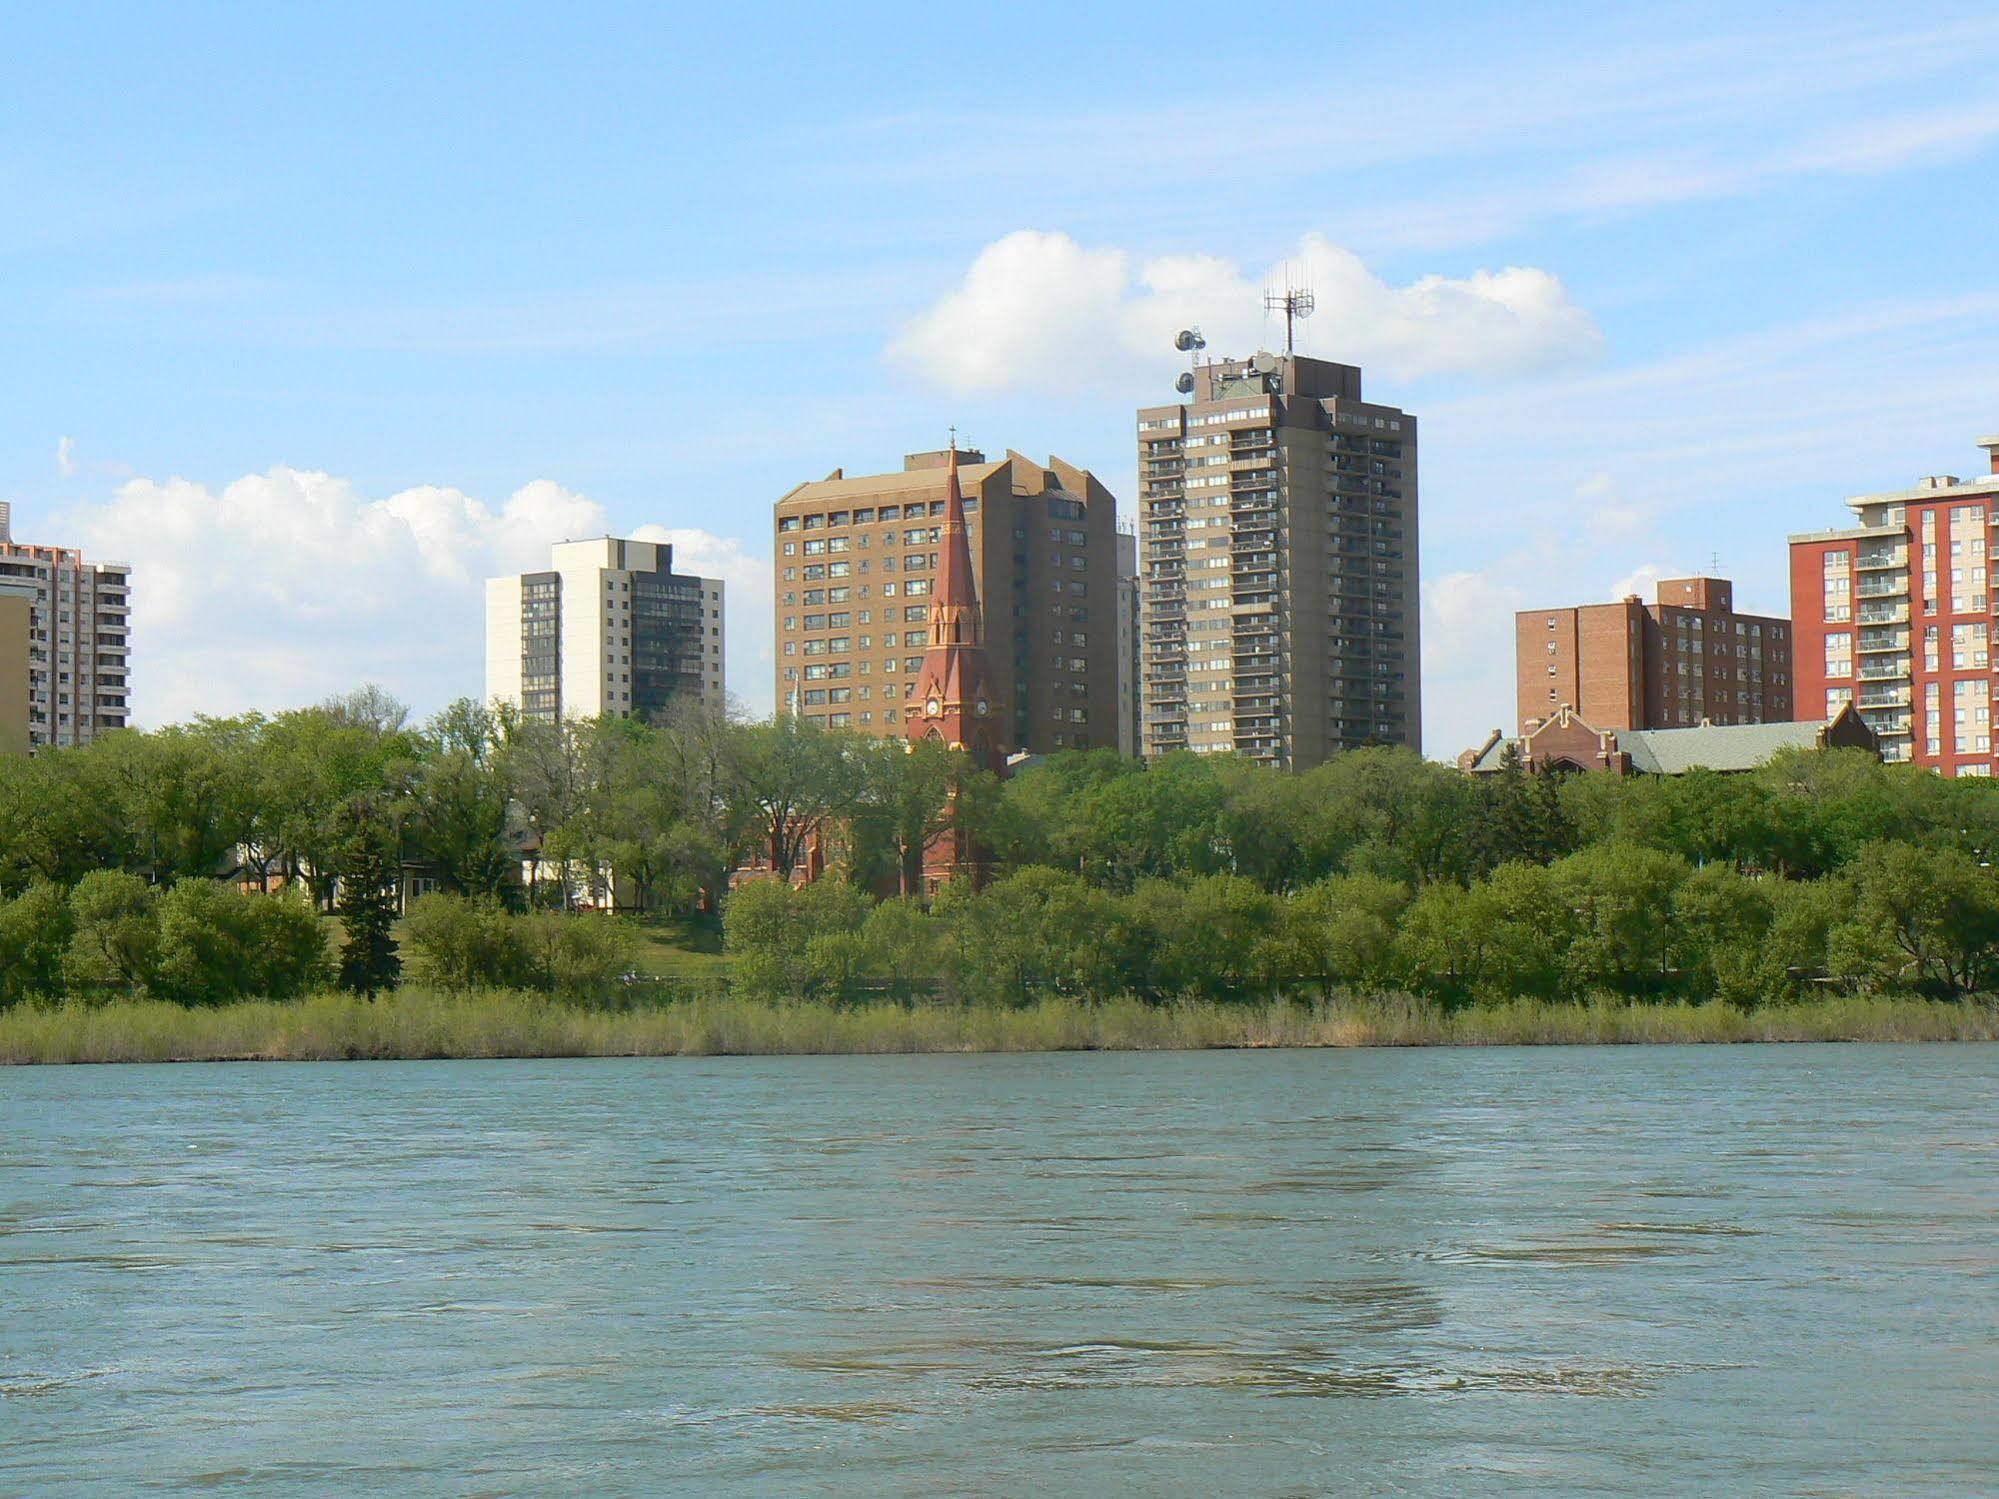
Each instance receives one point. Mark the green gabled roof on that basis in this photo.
(1732, 746)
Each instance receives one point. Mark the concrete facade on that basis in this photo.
(1895, 614)
(1279, 609)
(608, 628)
(1130, 721)
(855, 558)
(79, 644)
(1686, 658)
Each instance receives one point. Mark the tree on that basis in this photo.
(116, 938)
(217, 945)
(365, 838)
(785, 782)
(908, 798)
(1516, 816)
(1342, 930)
(1621, 899)
(458, 819)
(35, 930)
(1927, 917)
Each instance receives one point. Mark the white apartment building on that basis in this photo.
(608, 629)
(79, 639)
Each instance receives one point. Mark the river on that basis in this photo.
(1562, 1271)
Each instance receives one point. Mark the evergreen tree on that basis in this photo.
(365, 836)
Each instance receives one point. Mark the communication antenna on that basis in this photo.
(1189, 342)
(1296, 303)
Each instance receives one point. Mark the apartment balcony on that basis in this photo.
(1887, 586)
(1884, 669)
(1886, 722)
(1893, 696)
(1882, 560)
(1875, 641)
(1882, 614)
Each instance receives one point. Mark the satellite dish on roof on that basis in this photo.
(1188, 340)
(1264, 364)
(1185, 384)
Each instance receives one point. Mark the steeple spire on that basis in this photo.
(955, 618)
(954, 698)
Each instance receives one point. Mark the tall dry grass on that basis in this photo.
(419, 1023)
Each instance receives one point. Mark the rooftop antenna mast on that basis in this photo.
(1189, 342)
(1296, 303)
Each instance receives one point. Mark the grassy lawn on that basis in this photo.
(681, 947)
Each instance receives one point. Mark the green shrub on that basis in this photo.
(463, 942)
(217, 944)
(115, 937)
(35, 931)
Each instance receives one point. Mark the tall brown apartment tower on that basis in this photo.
(1685, 658)
(856, 560)
(1277, 535)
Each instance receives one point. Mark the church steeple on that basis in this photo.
(954, 698)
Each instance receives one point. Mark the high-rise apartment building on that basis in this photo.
(1277, 533)
(17, 613)
(1130, 722)
(79, 644)
(1895, 615)
(1685, 659)
(855, 560)
(608, 629)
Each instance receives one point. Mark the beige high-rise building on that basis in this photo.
(1277, 539)
(855, 557)
(17, 612)
(78, 642)
(608, 629)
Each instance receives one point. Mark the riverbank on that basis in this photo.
(417, 1023)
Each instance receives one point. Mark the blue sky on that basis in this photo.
(316, 317)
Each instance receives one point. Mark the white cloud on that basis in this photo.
(65, 456)
(1642, 581)
(283, 587)
(1039, 309)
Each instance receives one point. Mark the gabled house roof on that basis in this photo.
(1666, 752)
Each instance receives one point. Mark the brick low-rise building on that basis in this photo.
(1895, 614)
(1565, 741)
(1684, 659)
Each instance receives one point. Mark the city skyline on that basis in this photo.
(1661, 287)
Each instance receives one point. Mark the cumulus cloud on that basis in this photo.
(1642, 581)
(1040, 309)
(65, 456)
(282, 587)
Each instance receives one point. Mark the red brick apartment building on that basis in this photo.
(1895, 615)
(1686, 659)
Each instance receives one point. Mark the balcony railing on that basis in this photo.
(1896, 696)
(1880, 588)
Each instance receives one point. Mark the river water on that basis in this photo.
(1563, 1271)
